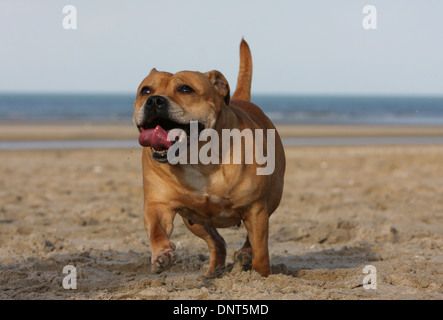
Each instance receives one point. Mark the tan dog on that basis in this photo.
(207, 196)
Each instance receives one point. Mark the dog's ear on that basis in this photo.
(220, 83)
(153, 71)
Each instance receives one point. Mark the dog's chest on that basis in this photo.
(213, 186)
(196, 180)
(208, 202)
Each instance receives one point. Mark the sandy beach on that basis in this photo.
(343, 208)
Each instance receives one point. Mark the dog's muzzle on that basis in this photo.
(154, 125)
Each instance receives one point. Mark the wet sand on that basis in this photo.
(69, 131)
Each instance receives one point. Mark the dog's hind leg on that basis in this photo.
(244, 255)
(216, 244)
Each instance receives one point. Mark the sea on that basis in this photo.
(281, 109)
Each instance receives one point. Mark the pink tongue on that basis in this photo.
(155, 138)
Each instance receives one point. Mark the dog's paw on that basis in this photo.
(162, 261)
(244, 257)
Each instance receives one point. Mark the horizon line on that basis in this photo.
(257, 94)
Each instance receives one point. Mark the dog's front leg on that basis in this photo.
(256, 221)
(158, 220)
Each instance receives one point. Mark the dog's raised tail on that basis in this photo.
(243, 88)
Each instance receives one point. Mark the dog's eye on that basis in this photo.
(185, 89)
(145, 91)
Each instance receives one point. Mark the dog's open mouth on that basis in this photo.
(156, 135)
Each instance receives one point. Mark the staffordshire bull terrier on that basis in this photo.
(211, 195)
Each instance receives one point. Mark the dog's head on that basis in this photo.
(172, 101)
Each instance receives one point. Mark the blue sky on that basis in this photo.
(298, 47)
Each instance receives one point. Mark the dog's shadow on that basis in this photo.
(329, 259)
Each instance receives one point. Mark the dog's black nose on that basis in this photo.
(156, 102)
